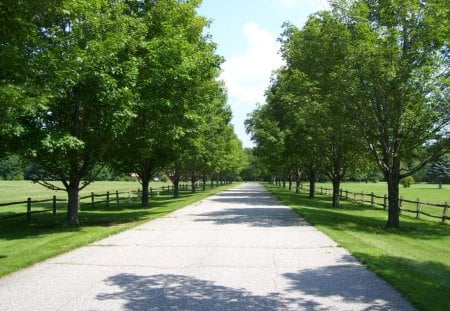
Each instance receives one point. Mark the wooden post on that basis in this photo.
(107, 199)
(54, 205)
(92, 199)
(129, 196)
(417, 208)
(346, 195)
(321, 191)
(444, 214)
(385, 202)
(29, 208)
(363, 199)
(354, 196)
(117, 196)
(372, 199)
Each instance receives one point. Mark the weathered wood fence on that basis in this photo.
(105, 198)
(417, 207)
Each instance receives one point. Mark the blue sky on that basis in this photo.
(246, 33)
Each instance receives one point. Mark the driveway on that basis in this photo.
(237, 250)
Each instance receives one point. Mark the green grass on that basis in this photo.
(415, 258)
(428, 193)
(425, 192)
(11, 191)
(19, 191)
(23, 243)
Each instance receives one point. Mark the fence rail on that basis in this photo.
(416, 207)
(109, 196)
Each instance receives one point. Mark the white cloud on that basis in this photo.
(306, 5)
(247, 75)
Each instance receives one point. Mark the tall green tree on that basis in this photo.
(400, 62)
(177, 64)
(84, 71)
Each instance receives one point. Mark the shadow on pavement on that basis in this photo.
(350, 283)
(178, 292)
(254, 217)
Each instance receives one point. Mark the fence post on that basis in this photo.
(363, 199)
(321, 191)
(444, 214)
(54, 205)
(29, 208)
(129, 196)
(117, 196)
(354, 196)
(385, 202)
(92, 199)
(418, 208)
(372, 200)
(107, 199)
(346, 195)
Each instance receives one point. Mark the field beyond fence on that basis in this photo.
(30, 206)
(418, 208)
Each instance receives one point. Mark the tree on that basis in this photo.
(177, 62)
(438, 171)
(399, 59)
(84, 73)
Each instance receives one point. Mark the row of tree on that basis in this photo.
(364, 86)
(132, 84)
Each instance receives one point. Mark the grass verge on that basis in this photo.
(415, 258)
(24, 243)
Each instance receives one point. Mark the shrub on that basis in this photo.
(407, 181)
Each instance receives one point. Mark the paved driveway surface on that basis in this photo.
(238, 250)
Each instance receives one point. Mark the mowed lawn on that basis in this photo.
(415, 258)
(25, 242)
(11, 191)
(425, 192)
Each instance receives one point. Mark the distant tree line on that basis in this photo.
(364, 91)
(131, 85)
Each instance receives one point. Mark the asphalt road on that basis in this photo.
(238, 250)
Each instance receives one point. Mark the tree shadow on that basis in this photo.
(361, 218)
(349, 283)
(179, 292)
(253, 217)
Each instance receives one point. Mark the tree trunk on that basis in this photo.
(73, 203)
(193, 185)
(204, 182)
(297, 182)
(144, 200)
(336, 187)
(284, 182)
(176, 187)
(290, 182)
(393, 180)
(312, 184)
(212, 182)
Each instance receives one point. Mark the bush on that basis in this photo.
(407, 181)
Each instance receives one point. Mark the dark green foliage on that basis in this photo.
(439, 172)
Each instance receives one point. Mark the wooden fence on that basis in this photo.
(417, 207)
(108, 197)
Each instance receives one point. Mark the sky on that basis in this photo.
(246, 33)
